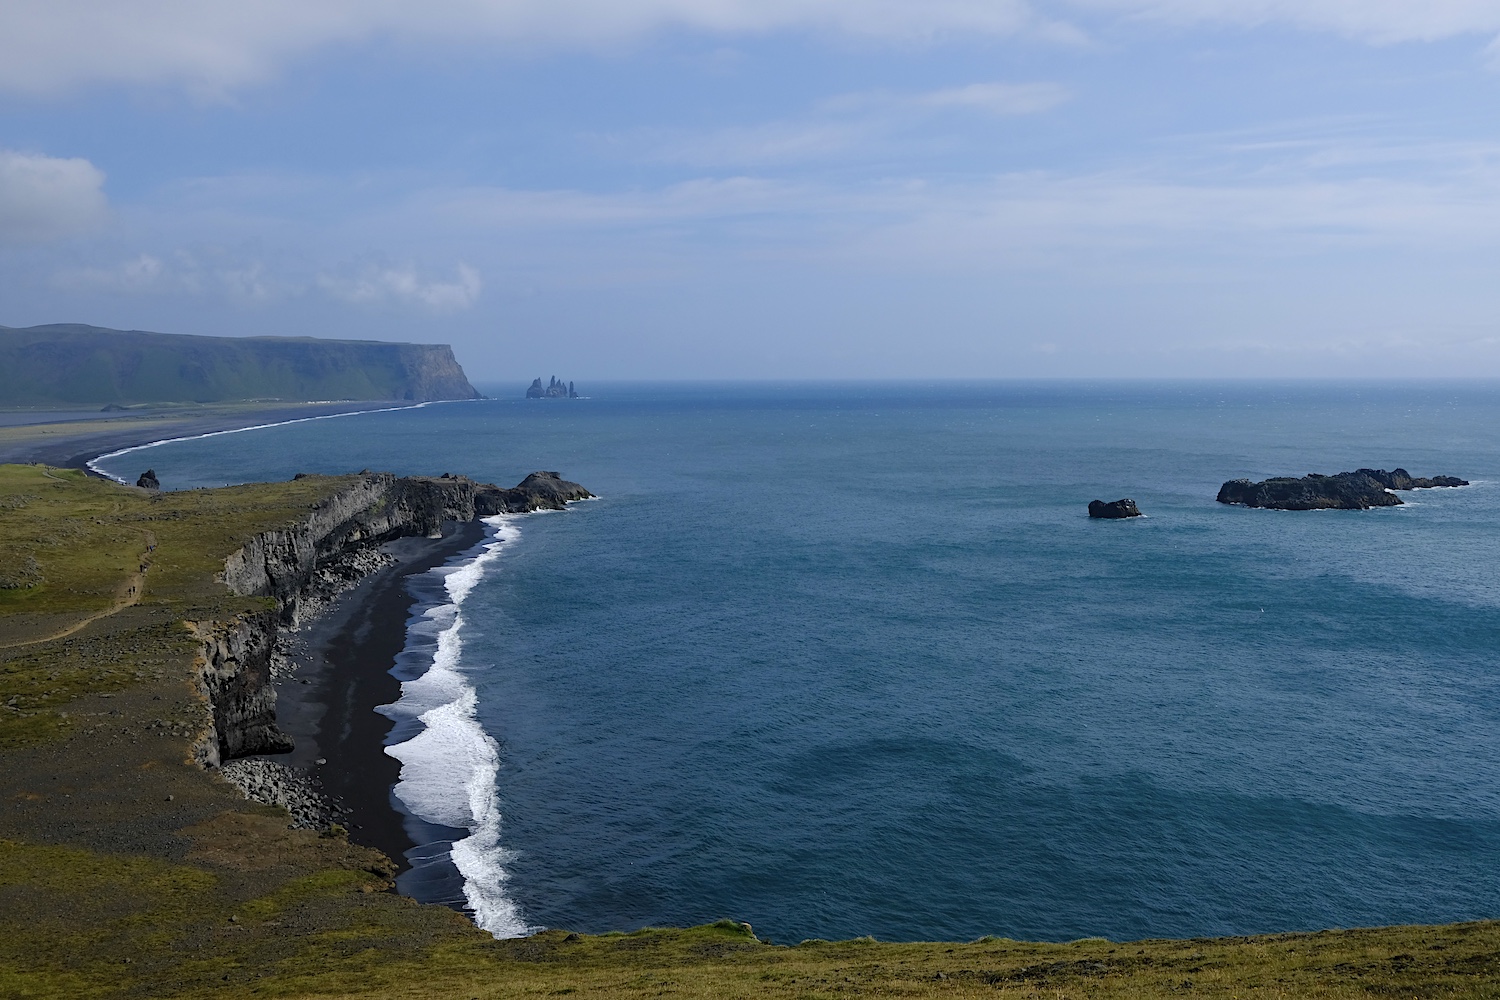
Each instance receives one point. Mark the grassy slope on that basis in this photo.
(126, 871)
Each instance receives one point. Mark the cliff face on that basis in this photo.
(329, 550)
(89, 365)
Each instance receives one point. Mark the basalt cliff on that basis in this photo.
(74, 364)
(328, 551)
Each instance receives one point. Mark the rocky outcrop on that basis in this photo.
(299, 794)
(538, 491)
(554, 390)
(1114, 510)
(306, 563)
(1359, 490)
(1400, 479)
(234, 674)
(148, 480)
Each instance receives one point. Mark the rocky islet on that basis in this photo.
(1114, 510)
(1358, 490)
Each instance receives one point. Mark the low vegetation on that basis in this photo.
(126, 871)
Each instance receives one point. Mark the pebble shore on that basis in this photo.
(275, 784)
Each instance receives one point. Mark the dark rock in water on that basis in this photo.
(1400, 479)
(113, 408)
(1358, 490)
(538, 491)
(148, 480)
(556, 389)
(1115, 510)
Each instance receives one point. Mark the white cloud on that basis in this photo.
(842, 125)
(377, 285)
(996, 98)
(1379, 21)
(138, 274)
(45, 197)
(213, 46)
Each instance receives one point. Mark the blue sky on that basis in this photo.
(772, 189)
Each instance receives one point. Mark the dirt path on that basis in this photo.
(126, 595)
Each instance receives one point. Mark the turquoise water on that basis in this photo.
(853, 660)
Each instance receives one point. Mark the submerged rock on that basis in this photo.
(1359, 490)
(1115, 509)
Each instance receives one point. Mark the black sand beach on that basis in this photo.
(71, 443)
(344, 658)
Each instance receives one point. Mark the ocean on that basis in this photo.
(847, 659)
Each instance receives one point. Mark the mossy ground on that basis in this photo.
(126, 871)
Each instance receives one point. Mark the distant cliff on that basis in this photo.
(68, 363)
(556, 389)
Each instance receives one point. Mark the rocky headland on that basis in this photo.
(70, 363)
(1358, 490)
(303, 566)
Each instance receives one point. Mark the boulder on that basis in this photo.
(1114, 510)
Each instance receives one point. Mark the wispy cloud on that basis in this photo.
(1378, 21)
(841, 126)
(378, 285)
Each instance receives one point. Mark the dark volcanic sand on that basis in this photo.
(344, 659)
(83, 440)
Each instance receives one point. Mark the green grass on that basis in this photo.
(125, 871)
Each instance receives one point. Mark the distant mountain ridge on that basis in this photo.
(71, 363)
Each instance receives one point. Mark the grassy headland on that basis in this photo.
(70, 363)
(126, 870)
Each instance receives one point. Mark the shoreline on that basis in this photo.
(342, 672)
(340, 659)
(73, 444)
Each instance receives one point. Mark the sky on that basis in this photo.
(769, 189)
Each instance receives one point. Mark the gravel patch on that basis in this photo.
(279, 785)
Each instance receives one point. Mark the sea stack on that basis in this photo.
(1115, 510)
(556, 389)
(148, 480)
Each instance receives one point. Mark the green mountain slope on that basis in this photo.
(68, 363)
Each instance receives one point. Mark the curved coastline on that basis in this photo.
(75, 443)
(448, 763)
(92, 464)
(342, 702)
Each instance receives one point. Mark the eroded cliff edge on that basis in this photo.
(300, 566)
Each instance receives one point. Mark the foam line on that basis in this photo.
(93, 463)
(448, 769)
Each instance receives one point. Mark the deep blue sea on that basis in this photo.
(851, 659)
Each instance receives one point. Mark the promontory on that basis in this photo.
(69, 363)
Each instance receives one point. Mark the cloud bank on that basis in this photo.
(215, 46)
(46, 197)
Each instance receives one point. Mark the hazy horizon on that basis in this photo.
(714, 189)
